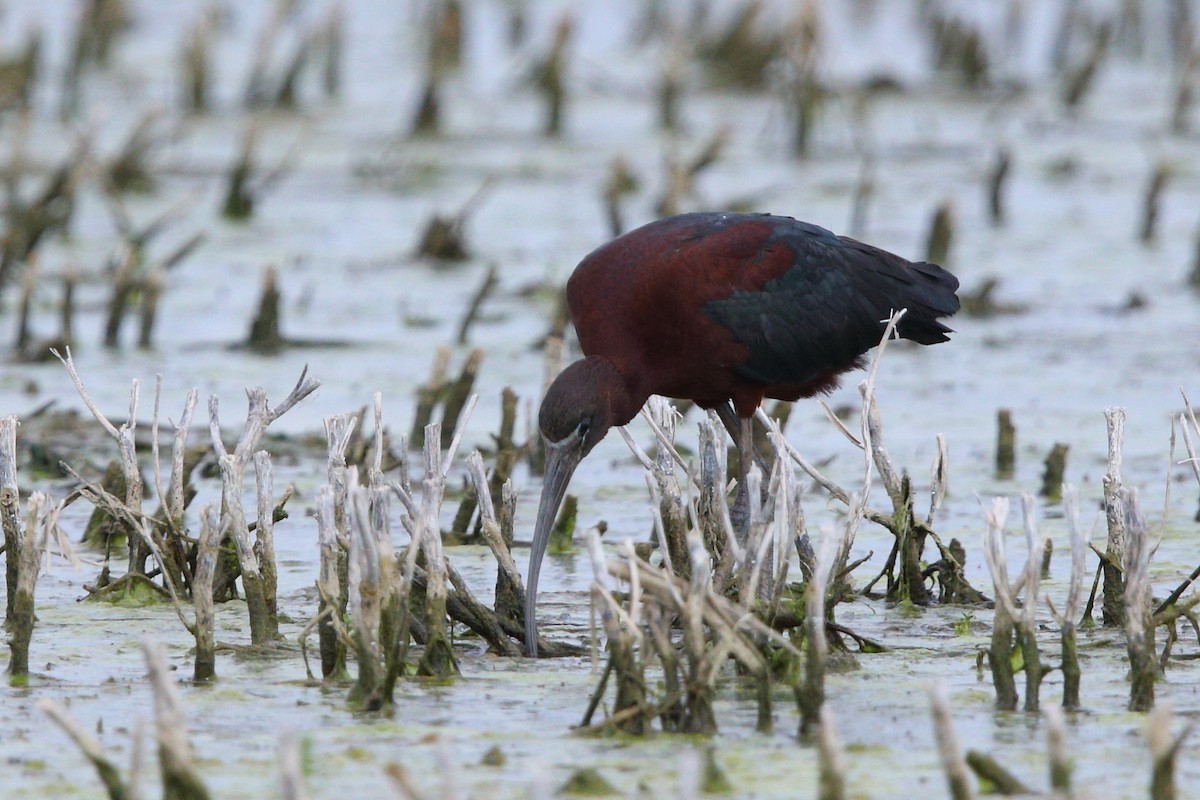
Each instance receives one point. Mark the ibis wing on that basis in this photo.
(831, 306)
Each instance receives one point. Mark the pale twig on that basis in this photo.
(994, 553)
(136, 522)
(126, 445)
(660, 533)
(1164, 747)
(10, 503)
(291, 769)
(939, 477)
(490, 528)
(638, 453)
(831, 757)
(375, 473)
(953, 763)
(841, 426)
(175, 494)
(179, 775)
(92, 750)
(401, 783)
(1187, 422)
(719, 612)
(459, 429)
(155, 466)
(1079, 547)
(664, 441)
(69, 363)
(1139, 626)
(1056, 749)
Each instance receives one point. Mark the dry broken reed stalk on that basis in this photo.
(681, 175)
(179, 775)
(428, 395)
(486, 287)
(438, 659)
(443, 54)
(332, 36)
(1079, 78)
(714, 629)
(1067, 620)
(810, 690)
(1053, 470)
(550, 76)
(245, 188)
(670, 85)
(630, 711)
(804, 92)
(50, 210)
(712, 510)
(291, 768)
(996, 183)
(1138, 620)
(953, 763)
(1115, 513)
(451, 395)
(331, 578)
(207, 551)
(195, 58)
(1164, 751)
(19, 71)
(461, 528)
(1026, 623)
(910, 532)
(266, 335)
(127, 448)
(1155, 187)
(1006, 445)
(669, 512)
(177, 763)
(110, 774)
(255, 558)
(1061, 765)
(1000, 651)
(510, 590)
(239, 200)
(371, 587)
(128, 170)
(333, 538)
(991, 773)
(941, 233)
(741, 53)
(41, 523)
(831, 759)
(621, 181)
(444, 237)
(24, 543)
(435, 572)
(1186, 76)
(97, 30)
(163, 535)
(10, 508)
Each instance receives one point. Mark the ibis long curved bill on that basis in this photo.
(561, 460)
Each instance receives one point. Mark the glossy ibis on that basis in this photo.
(724, 310)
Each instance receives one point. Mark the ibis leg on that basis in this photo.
(743, 439)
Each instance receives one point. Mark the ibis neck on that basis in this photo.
(625, 399)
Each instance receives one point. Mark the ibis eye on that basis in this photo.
(582, 429)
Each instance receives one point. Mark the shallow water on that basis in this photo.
(342, 227)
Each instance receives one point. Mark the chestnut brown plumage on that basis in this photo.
(724, 310)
